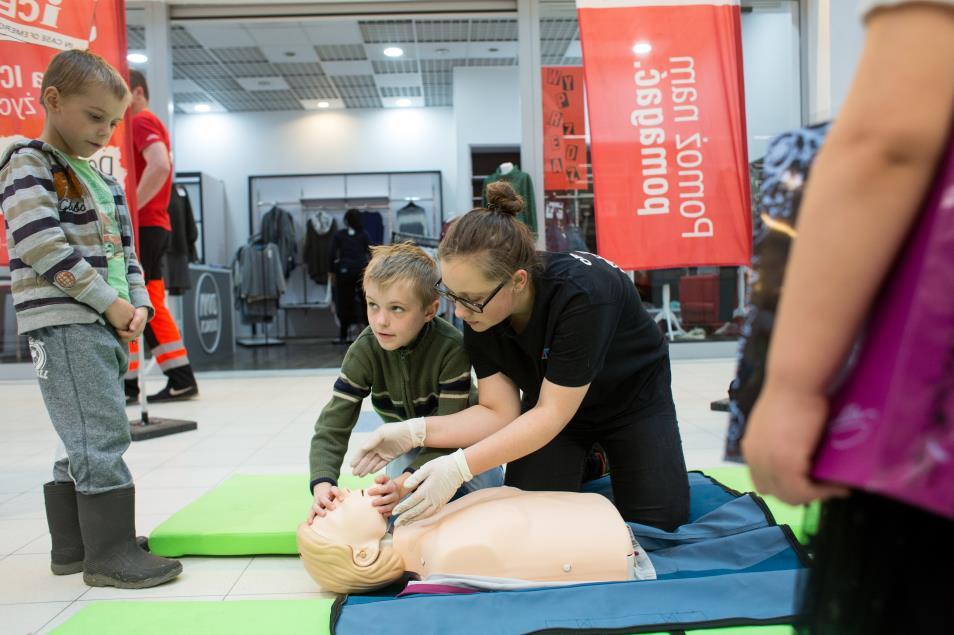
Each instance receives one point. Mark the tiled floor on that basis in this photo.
(248, 423)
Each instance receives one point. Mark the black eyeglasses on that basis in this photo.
(476, 307)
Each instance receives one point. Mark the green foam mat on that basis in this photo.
(248, 617)
(248, 514)
(245, 617)
(798, 517)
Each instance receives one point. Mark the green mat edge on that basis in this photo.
(111, 617)
(169, 540)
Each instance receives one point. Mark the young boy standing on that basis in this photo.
(79, 295)
(412, 364)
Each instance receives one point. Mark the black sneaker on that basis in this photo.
(170, 393)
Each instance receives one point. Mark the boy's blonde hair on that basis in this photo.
(403, 261)
(73, 72)
(333, 567)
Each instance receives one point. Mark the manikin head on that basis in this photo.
(344, 552)
(487, 259)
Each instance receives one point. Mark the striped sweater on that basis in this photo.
(429, 377)
(58, 263)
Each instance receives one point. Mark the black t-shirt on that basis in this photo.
(587, 326)
(349, 253)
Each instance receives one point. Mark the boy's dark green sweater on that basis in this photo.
(430, 376)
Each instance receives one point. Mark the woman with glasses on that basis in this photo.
(568, 331)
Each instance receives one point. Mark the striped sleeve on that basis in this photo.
(454, 384)
(339, 416)
(29, 203)
(138, 296)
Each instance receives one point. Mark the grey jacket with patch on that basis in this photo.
(58, 262)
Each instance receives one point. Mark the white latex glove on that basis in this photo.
(434, 484)
(388, 442)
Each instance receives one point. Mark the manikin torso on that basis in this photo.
(498, 532)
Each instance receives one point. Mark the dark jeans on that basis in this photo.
(349, 289)
(153, 244)
(644, 449)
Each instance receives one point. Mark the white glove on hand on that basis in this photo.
(388, 442)
(434, 484)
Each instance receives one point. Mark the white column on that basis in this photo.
(531, 105)
(158, 70)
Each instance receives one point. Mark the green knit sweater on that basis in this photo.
(429, 377)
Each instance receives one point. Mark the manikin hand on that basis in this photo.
(387, 493)
(780, 439)
(434, 484)
(388, 442)
(325, 496)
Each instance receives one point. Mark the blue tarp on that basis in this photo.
(730, 565)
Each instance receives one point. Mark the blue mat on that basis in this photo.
(731, 565)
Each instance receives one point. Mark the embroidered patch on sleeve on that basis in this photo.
(65, 279)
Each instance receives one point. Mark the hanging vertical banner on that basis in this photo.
(564, 143)
(32, 32)
(667, 128)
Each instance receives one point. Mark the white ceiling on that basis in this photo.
(256, 66)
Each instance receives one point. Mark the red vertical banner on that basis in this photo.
(564, 123)
(667, 128)
(32, 32)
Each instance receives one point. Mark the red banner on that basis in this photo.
(667, 128)
(564, 122)
(32, 32)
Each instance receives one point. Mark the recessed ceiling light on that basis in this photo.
(442, 51)
(290, 53)
(323, 104)
(203, 108)
(403, 103)
(493, 49)
(264, 82)
(642, 48)
(394, 51)
(137, 58)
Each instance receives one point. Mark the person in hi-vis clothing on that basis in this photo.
(154, 185)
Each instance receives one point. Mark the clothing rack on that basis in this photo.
(257, 340)
(417, 239)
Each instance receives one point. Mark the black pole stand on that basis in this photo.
(147, 427)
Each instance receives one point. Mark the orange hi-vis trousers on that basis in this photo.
(161, 334)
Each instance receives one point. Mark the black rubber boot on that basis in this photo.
(113, 557)
(66, 557)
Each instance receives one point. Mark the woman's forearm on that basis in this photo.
(526, 434)
(864, 194)
(465, 428)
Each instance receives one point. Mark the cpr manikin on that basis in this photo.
(500, 532)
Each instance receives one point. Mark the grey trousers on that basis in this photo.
(80, 368)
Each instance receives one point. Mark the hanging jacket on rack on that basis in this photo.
(259, 280)
(412, 219)
(373, 224)
(521, 182)
(318, 232)
(182, 242)
(278, 227)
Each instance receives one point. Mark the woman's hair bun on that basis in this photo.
(501, 197)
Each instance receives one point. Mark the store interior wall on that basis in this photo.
(232, 146)
(486, 113)
(847, 39)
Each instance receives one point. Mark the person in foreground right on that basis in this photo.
(877, 559)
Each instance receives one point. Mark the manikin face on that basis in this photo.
(353, 523)
(463, 278)
(395, 313)
(84, 121)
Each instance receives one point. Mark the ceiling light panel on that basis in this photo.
(240, 54)
(387, 31)
(385, 67)
(290, 53)
(341, 52)
(442, 30)
(220, 35)
(490, 30)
